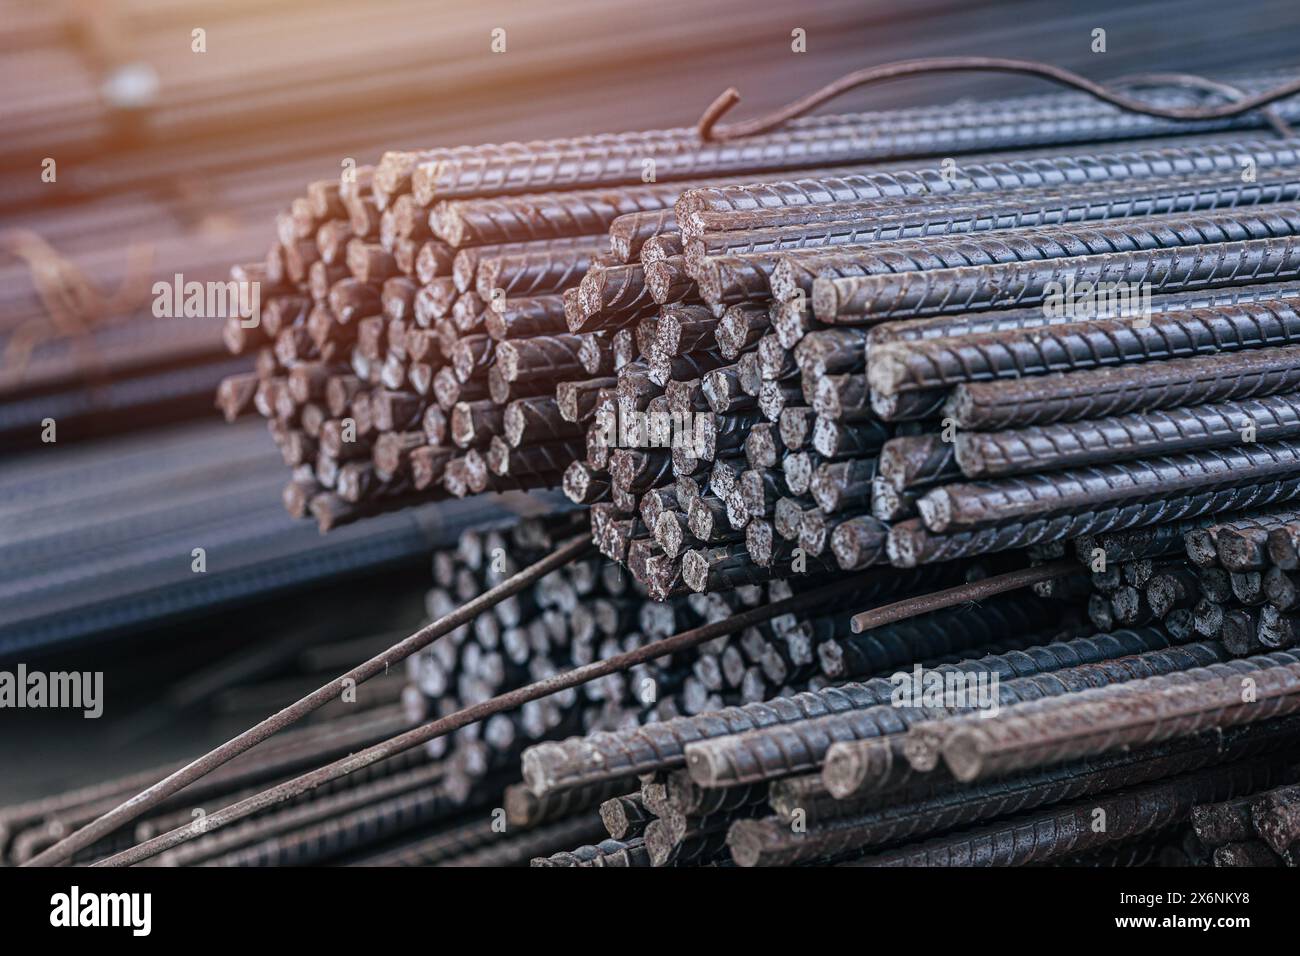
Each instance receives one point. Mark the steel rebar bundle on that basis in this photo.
(780, 358)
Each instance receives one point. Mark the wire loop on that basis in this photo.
(1238, 103)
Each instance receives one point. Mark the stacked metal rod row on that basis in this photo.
(766, 377)
(587, 611)
(1133, 723)
(790, 430)
(593, 610)
(1030, 425)
(1143, 577)
(445, 322)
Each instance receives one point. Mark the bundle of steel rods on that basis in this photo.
(470, 319)
(768, 362)
(819, 456)
(933, 741)
(1217, 577)
(593, 610)
(936, 401)
(1246, 569)
(1258, 829)
(904, 766)
(1135, 723)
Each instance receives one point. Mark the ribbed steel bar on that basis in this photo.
(1139, 714)
(970, 505)
(870, 221)
(799, 272)
(910, 544)
(830, 140)
(1105, 392)
(1139, 435)
(1090, 343)
(1035, 674)
(764, 843)
(708, 207)
(878, 298)
(961, 594)
(1056, 833)
(606, 853)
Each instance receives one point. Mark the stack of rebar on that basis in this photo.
(1220, 577)
(1246, 568)
(933, 741)
(1135, 723)
(459, 318)
(985, 422)
(1144, 577)
(922, 347)
(1258, 829)
(593, 610)
(769, 362)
